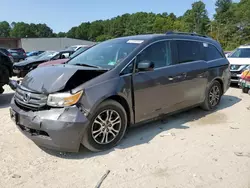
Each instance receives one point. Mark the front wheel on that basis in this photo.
(213, 96)
(107, 126)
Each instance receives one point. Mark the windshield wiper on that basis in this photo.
(87, 65)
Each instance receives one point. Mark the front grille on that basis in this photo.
(30, 100)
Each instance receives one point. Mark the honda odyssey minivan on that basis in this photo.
(94, 97)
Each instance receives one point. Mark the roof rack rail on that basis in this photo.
(186, 33)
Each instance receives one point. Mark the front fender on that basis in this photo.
(95, 95)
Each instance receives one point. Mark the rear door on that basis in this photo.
(194, 71)
(163, 89)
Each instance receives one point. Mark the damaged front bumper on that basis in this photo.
(58, 128)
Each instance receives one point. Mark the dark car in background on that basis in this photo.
(21, 50)
(5, 70)
(22, 68)
(6, 52)
(61, 61)
(17, 55)
(97, 95)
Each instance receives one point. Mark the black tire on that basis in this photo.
(4, 75)
(1, 89)
(245, 90)
(91, 143)
(207, 104)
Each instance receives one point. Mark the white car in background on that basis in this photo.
(75, 47)
(239, 61)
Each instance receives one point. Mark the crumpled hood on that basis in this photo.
(239, 61)
(50, 79)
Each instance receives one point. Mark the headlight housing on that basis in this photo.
(63, 99)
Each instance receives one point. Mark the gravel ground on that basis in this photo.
(191, 149)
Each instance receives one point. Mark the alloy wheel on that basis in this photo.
(214, 95)
(106, 127)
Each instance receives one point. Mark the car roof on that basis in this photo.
(140, 37)
(17, 49)
(78, 46)
(12, 50)
(171, 35)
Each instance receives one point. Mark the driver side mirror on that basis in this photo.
(145, 66)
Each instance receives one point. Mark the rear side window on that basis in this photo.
(189, 51)
(211, 52)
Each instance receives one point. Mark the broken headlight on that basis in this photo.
(63, 99)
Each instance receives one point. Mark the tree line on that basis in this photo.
(230, 25)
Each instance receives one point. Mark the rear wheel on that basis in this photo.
(107, 126)
(213, 96)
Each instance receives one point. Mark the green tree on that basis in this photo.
(72, 32)
(95, 29)
(101, 38)
(42, 30)
(4, 29)
(225, 24)
(61, 34)
(22, 30)
(163, 24)
(196, 19)
(82, 32)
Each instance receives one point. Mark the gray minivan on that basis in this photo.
(96, 96)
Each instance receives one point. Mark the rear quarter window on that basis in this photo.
(211, 52)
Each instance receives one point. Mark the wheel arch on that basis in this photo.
(221, 83)
(121, 100)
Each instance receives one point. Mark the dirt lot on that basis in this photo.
(191, 149)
